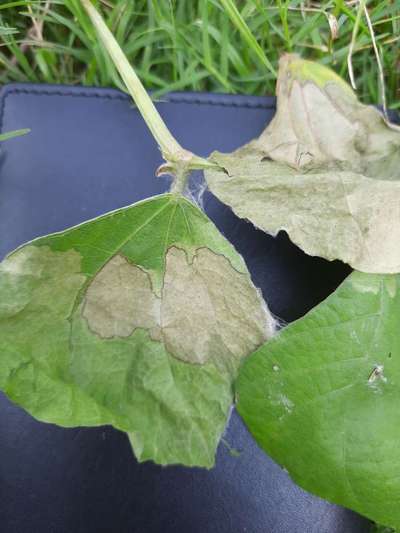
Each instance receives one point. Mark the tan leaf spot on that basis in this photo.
(209, 310)
(120, 299)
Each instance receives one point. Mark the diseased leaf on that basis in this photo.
(322, 397)
(138, 319)
(326, 170)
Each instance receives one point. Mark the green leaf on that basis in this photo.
(322, 398)
(376, 528)
(326, 170)
(12, 134)
(138, 319)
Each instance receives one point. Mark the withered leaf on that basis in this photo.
(326, 170)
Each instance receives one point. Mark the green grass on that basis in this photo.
(202, 45)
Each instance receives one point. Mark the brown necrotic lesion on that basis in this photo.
(120, 299)
(207, 309)
(210, 311)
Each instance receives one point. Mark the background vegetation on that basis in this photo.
(196, 44)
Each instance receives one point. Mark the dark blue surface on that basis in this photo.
(90, 152)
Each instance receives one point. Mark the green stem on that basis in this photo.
(172, 151)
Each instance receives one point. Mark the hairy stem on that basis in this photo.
(171, 150)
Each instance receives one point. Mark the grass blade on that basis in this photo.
(11, 134)
(241, 25)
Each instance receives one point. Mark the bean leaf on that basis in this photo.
(138, 319)
(322, 398)
(326, 170)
